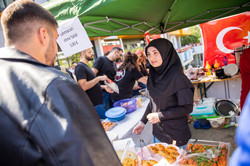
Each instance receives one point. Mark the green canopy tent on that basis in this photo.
(133, 17)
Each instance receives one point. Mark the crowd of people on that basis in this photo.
(51, 115)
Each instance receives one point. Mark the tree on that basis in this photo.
(193, 38)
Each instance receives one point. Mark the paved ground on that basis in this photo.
(224, 135)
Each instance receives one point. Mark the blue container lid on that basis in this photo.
(115, 112)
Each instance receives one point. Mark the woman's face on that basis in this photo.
(154, 57)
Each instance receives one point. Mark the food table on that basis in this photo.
(203, 87)
(124, 128)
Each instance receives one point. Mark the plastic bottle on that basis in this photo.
(199, 102)
(225, 60)
(208, 67)
(216, 64)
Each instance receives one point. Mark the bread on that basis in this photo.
(153, 149)
(159, 146)
(152, 162)
(129, 162)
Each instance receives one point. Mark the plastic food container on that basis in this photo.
(218, 151)
(128, 104)
(204, 112)
(115, 114)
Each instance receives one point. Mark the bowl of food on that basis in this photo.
(130, 158)
(128, 104)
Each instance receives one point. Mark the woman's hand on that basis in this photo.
(139, 128)
(153, 118)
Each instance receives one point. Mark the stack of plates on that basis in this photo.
(231, 69)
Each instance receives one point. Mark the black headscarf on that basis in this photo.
(168, 78)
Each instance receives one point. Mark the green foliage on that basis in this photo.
(133, 49)
(90, 64)
(193, 38)
(66, 62)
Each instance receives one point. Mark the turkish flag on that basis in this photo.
(222, 36)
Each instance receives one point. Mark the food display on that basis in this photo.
(207, 153)
(202, 153)
(108, 125)
(158, 152)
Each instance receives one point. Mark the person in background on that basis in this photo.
(72, 67)
(45, 117)
(171, 95)
(126, 76)
(141, 62)
(142, 68)
(105, 65)
(241, 156)
(90, 83)
(65, 71)
(245, 75)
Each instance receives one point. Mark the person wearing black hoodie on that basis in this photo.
(171, 95)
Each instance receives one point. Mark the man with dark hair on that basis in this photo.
(90, 83)
(105, 65)
(45, 117)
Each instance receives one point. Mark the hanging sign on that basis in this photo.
(72, 37)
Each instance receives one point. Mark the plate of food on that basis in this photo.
(130, 158)
(107, 125)
(112, 85)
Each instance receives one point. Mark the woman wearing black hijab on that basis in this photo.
(171, 95)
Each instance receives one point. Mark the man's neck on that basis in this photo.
(109, 56)
(84, 60)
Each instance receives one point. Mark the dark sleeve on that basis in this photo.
(67, 129)
(136, 74)
(80, 72)
(185, 105)
(98, 63)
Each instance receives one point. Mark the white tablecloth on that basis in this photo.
(124, 128)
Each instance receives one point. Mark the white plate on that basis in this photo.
(231, 69)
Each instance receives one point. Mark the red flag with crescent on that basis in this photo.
(222, 36)
(147, 37)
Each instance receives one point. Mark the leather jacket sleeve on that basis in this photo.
(67, 129)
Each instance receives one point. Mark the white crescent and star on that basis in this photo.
(219, 39)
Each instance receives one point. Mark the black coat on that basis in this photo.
(46, 118)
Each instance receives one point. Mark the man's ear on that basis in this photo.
(42, 35)
(82, 53)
